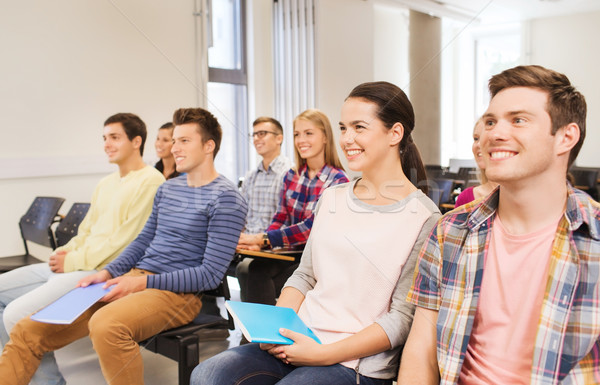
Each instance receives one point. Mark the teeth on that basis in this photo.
(353, 152)
(501, 154)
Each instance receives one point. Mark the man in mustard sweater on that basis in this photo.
(120, 206)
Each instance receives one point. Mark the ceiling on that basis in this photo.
(501, 11)
(513, 10)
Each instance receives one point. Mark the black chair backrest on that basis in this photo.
(68, 226)
(466, 174)
(435, 171)
(435, 194)
(586, 179)
(36, 224)
(221, 291)
(445, 185)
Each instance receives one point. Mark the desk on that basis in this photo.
(286, 255)
(447, 206)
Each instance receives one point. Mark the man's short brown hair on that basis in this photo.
(208, 125)
(267, 119)
(565, 104)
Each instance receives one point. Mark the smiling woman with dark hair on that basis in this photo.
(357, 267)
(163, 145)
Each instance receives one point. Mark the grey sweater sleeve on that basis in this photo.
(397, 321)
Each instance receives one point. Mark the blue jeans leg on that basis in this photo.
(55, 287)
(26, 290)
(326, 375)
(48, 372)
(246, 364)
(15, 283)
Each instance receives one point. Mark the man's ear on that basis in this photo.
(279, 139)
(567, 136)
(396, 134)
(137, 142)
(209, 146)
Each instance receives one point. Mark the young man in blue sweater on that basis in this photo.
(183, 250)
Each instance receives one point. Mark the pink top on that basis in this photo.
(500, 350)
(466, 196)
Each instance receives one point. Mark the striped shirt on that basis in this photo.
(292, 222)
(261, 188)
(190, 237)
(449, 274)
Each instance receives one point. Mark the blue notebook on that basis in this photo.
(261, 323)
(67, 308)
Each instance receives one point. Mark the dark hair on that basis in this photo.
(394, 107)
(266, 119)
(565, 104)
(208, 126)
(168, 125)
(160, 166)
(132, 125)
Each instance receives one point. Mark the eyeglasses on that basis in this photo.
(261, 134)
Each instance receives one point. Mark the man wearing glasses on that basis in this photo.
(262, 186)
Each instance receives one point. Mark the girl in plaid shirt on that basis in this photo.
(317, 167)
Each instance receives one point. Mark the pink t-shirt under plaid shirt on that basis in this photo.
(500, 350)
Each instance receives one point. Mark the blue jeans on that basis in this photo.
(248, 365)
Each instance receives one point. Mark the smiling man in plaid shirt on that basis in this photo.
(262, 185)
(507, 287)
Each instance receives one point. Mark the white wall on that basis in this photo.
(66, 66)
(390, 44)
(261, 88)
(357, 41)
(344, 51)
(569, 45)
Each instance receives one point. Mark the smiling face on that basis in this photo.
(476, 148)
(164, 142)
(270, 142)
(189, 151)
(517, 143)
(309, 140)
(364, 139)
(117, 145)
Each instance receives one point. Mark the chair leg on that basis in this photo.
(189, 357)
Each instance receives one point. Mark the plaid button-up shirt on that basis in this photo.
(449, 274)
(293, 220)
(262, 190)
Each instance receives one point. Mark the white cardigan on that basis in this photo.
(357, 268)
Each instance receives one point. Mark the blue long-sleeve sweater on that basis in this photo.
(190, 237)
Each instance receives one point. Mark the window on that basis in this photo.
(227, 83)
(471, 56)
